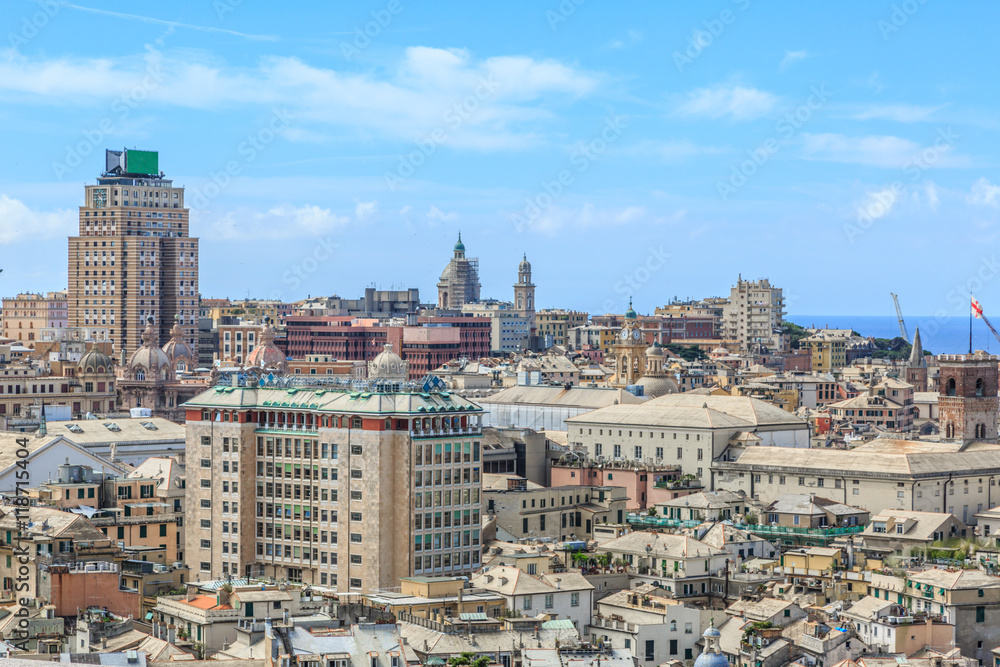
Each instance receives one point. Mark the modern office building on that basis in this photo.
(132, 257)
(313, 482)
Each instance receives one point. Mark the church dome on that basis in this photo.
(266, 354)
(710, 655)
(657, 386)
(388, 366)
(94, 361)
(630, 314)
(654, 350)
(149, 358)
(460, 246)
(177, 348)
(524, 266)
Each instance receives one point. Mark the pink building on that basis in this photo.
(645, 485)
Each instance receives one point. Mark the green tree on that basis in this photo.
(687, 352)
(469, 659)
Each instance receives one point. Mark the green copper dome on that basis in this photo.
(460, 245)
(631, 314)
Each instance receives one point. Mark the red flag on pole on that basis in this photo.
(977, 310)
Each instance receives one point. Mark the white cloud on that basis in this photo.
(494, 103)
(19, 223)
(279, 222)
(931, 195)
(672, 151)
(901, 113)
(174, 24)
(792, 57)
(436, 214)
(984, 193)
(555, 219)
(632, 37)
(365, 209)
(737, 102)
(630, 214)
(878, 204)
(879, 151)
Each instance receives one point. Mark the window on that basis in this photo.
(980, 614)
(574, 599)
(548, 601)
(526, 602)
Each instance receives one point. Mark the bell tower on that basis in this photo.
(629, 351)
(967, 400)
(524, 294)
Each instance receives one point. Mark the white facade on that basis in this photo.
(652, 634)
(43, 461)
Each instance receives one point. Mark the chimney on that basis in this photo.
(224, 594)
(104, 644)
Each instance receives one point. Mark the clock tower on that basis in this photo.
(629, 351)
(524, 294)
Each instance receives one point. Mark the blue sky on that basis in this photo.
(653, 149)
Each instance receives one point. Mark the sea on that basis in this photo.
(939, 335)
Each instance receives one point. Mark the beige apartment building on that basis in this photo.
(320, 484)
(127, 510)
(25, 314)
(753, 317)
(132, 257)
(557, 322)
(88, 386)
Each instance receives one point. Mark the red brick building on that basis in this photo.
(433, 342)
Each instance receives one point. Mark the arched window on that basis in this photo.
(140, 374)
(980, 387)
(950, 387)
(949, 430)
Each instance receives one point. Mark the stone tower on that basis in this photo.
(916, 367)
(459, 282)
(524, 294)
(629, 351)
(967, 404)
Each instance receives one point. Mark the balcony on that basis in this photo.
(282, 429)
(444, 432)
(136, 520)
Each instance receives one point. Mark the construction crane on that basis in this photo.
(899, 316)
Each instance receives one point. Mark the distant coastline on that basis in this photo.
(947, 335)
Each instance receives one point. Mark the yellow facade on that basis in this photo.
(829, 353)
